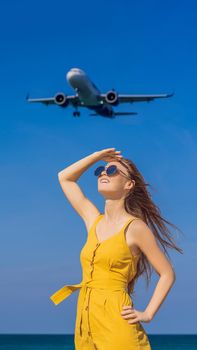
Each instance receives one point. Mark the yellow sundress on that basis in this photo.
(107, 268)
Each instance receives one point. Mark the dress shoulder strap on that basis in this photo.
(128, 222)
(95, 222)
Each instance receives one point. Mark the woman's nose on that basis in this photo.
(103, 173)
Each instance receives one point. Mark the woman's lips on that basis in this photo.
(104, 180)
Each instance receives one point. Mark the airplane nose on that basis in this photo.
(72, 78)
(73, 75)
(68, 76)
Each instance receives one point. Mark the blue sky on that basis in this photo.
(134, 47)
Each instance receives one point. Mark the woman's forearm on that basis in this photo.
(162, 288)
(75, 170)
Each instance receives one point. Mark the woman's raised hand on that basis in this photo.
(108, 154)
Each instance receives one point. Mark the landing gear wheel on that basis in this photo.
(76, 114)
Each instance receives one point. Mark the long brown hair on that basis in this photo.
(139, 203)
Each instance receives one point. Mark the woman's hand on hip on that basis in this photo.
(132, 315)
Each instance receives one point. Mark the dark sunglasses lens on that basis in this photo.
(99, 170)
(112, 169)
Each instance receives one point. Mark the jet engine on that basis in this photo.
(112, 97)
(61, 99)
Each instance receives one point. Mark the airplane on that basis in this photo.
(89, 96)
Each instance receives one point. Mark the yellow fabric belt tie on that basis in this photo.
(108, 284)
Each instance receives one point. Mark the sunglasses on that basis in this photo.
(110, 170)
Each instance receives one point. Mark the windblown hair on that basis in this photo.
(139, 203)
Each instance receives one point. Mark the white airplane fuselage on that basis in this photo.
(86, 90)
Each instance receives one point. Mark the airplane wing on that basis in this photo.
(72, 99)
(138, 98)
(46, 101)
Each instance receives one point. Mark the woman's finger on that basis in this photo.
(109, 149)
(130, 316)
(127, 307)
(134, 321)
(128, 311)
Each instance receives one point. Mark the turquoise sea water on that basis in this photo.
(66, 342)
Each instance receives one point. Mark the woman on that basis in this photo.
(115, 254)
